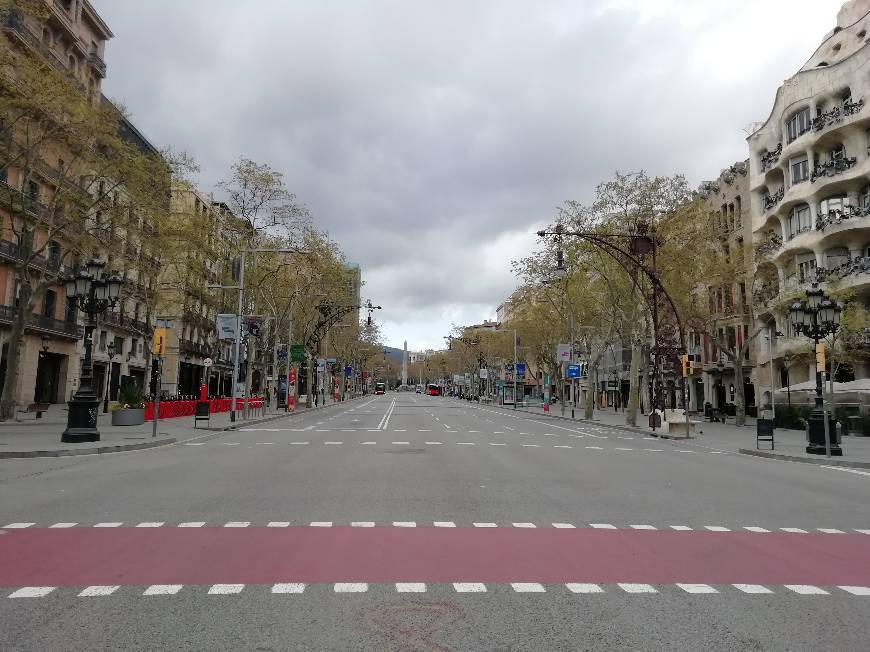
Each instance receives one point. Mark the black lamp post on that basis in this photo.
(110, 349)
(668, 342)
(95, 292)
(816, 316)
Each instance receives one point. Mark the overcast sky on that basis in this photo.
(431, 138)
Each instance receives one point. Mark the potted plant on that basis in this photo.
(130, 408)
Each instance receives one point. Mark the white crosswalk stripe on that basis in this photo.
(163, 589)
(32, 592)
(96, 591)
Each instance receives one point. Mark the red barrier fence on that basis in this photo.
(172, 409)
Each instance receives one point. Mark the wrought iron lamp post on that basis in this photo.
(110, 349)
(669, 340)
(94, 291)
(816, 316)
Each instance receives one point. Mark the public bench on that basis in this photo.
(37, 408)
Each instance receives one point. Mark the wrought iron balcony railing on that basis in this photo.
(836, 165)
(836, 114)
(770, 201)
(769, 159)
(43, 323)
(773, 244)
(98, 64)
(838, 216)
(851, 267)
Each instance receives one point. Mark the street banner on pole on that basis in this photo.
(297, 353)
(572, 371)
(226, 327)
(521, 368)
(563, 353)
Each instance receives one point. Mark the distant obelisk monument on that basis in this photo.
(405, 364)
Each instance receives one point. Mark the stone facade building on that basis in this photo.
(712, 380)
(810, 190)
(71, 38)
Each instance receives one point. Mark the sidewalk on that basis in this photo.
(788, 445)
(41, 437)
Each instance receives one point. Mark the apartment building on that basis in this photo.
(201, 250)
(810, 189)
(727, 203)
(48, 191)
(72, 38)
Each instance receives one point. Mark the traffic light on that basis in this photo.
(158, 344)
(820, 357)
(685, 364)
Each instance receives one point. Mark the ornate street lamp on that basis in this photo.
(641, 244)
(816, 316)
(95, 292)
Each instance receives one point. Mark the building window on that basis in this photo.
(832, 205)
(119, 345)
(800, 170)
(103, 336)
(798, 124)
(806, 265)
(49, 303)
(72, 310)
(799, 221)
(33, 190)
(54, 254)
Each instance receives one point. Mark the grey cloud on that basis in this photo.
(418, 132)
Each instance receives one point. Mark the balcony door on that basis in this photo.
(47, 377)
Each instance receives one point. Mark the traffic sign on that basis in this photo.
(521, 368)
(207, 362)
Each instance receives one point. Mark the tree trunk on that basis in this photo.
(643, 390)
(633, 393)
(309, 381)
(16, 347)
(249, 372)
(739, 399)
(591, 389)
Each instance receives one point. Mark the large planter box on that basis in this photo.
(128, 417)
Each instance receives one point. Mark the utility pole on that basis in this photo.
(515, 369)
(238, 342)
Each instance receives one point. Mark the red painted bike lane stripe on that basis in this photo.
(77, 557)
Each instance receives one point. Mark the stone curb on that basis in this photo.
(806, 460)
(97, 450)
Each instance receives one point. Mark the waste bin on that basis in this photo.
(855, 424)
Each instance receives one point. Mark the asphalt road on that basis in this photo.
(407, 522)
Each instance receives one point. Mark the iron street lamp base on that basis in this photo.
(816, 445)
(81, 424)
